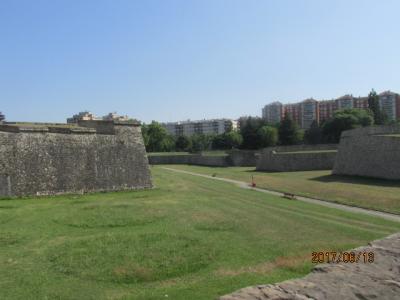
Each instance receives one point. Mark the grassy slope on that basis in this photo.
(190, 238)
(371, 193)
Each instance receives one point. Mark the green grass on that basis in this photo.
(205, 153)
(166, 153)
(307, 151)
(189, 238)
(382, 195)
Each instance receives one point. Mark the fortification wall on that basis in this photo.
(370, 152)
(239, 158)
(297, 158)
(243, 158)
(42, 160)
(189, 159)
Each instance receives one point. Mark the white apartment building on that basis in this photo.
(188, 128)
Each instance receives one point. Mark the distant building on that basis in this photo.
(82, 116)
(389, 103)
(294, 112)
(346, 101)
(360, 102)
(88, 116)
(189, 128)
(309, 112)
(273, 112)
(113, 116)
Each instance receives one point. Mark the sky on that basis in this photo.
(172, 60)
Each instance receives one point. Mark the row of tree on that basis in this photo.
(255, 133)
(157, 139)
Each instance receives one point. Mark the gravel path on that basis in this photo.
(388, 216)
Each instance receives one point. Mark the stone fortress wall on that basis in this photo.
(240, 158)
(370, 152)
(297, 158)
(189, 159)
(43, 159)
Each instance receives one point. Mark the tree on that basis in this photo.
(346, 119)
(156, 138)
(289, 133)
(2, 117)
(233, 139)
(227, 140)
(183, 143)
(313, 135)
(248, 129)
(380, 117)
(201, 142)
(267, 136)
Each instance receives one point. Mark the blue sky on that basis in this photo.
(172, 60)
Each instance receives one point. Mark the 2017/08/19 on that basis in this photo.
(345, 257)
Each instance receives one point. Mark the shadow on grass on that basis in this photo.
(357, 180)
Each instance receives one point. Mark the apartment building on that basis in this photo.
(389, 103)
(82, 116)
(88, 116)
(308, 113)
(305, 112)
(326, 109)
(189, 128)
(113, 116)
(360, 102)
(273, 112)
(294, 112)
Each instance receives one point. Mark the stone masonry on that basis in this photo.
(370, 152)
(45, 159)
(297, 158)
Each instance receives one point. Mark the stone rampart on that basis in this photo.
(297, 158)
(43, 159)
(371, 280)
(238, 158)
(243, 158)
(370, 152)
(189, 159)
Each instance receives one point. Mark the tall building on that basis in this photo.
(305, 112)
(346, 101)
(309, 112)
(360, 102)
(189, 128)
(273, 113)
(389, 103)
(326, 109)
(294, 112)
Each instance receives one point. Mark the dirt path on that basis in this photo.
(388, 216)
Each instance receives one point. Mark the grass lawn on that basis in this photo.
(189, 238)
(205, 153)
(166, 153)
(307, 152)
(383, 195)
